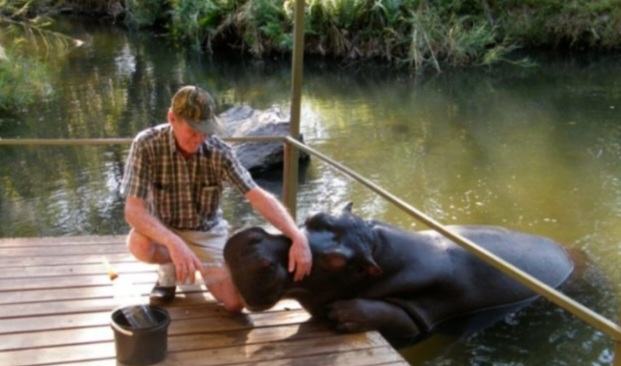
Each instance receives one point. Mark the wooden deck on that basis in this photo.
(56, 299)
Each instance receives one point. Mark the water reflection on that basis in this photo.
(531, 149)
(59, 191)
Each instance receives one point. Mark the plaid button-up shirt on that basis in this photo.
(182, 193)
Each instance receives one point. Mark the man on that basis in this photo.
(173, 184)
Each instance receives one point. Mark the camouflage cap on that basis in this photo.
(197, 108)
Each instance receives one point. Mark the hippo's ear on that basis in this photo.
(320, 221)
(334, 259)
(348, 207)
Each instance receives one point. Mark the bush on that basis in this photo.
(22, 81)
(417, 33)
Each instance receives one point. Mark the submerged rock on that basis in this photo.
(260, 158)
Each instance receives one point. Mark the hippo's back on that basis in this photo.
(538, 256)
(477, 286)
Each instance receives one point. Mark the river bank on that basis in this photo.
(416, 34)
(411, 35)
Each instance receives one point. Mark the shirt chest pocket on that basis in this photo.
(208, 200)
(163, 200)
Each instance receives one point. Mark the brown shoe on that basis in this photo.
(162, 295)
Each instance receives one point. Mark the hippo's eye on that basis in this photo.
(265, 263)
(359, 268)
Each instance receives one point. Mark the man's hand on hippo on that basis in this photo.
(300, 257)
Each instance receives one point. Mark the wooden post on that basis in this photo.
(617, 355)
(290, 171)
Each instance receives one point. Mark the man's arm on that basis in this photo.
(185, 261)
(300, 258)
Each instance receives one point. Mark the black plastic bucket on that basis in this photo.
(143, 346)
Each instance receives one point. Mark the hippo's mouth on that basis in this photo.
(260, 306)
(260, 303)
(261, 300)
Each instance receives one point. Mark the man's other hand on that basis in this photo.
(185, 261)
(300, 258)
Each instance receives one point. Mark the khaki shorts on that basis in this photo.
(207, 245)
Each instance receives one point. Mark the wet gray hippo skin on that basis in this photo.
(369, 275)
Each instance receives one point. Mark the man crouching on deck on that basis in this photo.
(173, 183)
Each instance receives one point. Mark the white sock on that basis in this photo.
(166, 275)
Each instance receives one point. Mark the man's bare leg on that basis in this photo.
(219, 280)
(220, 284)
(145, 250)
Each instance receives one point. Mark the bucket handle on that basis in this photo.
(121, 330)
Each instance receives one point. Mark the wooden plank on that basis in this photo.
(76, 269)
(7, 263)
(44, 247)
(76, 293)
(270, 351)
(61, 240)
(13, 284)
(58, 294)
(214, 325)
(182, 324)
(237, 351)
(382, 355)
(385, 355)
(77, 280)
(89, 305)
(18, 252)
(80, 320)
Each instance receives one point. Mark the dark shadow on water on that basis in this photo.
(272, 180)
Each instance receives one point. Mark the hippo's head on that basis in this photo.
(342, 259)
(258, 264)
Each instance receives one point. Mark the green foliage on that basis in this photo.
(22, 80)
(144, 13)
(573, 24)
(19, 9)
(344, 14)
(192, 20)
(418, 33)
(264, 26)
(28, 48)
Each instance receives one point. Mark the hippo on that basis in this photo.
(369, 275)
